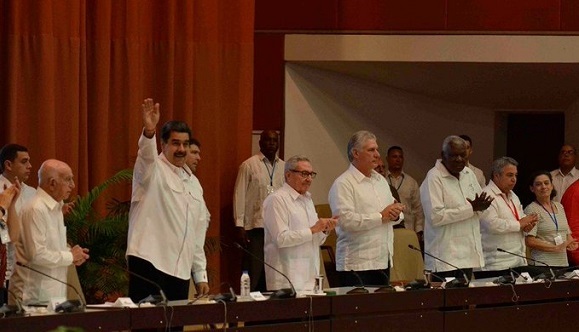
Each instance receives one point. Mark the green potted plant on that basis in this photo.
(102, 277)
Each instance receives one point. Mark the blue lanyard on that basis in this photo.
(553, 217)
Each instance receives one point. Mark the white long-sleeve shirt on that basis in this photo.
(364, 241)
(167, 218)
(45, 248)
(452, 228)
(289, 243)
(500, 228)
(251, 188)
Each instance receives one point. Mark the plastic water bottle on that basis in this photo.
(245, 284)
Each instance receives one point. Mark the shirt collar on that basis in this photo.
(572, 172)
(497, 191)
(262, 157)
(359, 176)
(294, 194)
(50, 202)
(402, 174)
(184, 171)
(4, 181)
(445, 171)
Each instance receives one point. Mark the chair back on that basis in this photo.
(408, 263)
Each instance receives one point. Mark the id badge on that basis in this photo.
(269, 189)
(558, 239)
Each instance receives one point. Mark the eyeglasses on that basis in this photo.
(305, 174)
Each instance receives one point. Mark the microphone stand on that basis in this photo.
(231, 297)
(540, 276)
(284, 293)
(454, 283)
(151, 298)
(358, 289)
(12, 310)
(66, 306)
(387, 288)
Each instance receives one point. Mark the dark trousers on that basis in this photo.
(4, 295)
(174, 288)
(252, 265)
(369, 278)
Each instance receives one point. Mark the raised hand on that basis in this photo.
(10, 195)
(151, 114)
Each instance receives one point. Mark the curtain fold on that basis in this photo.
(75, 72)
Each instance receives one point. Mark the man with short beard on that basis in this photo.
(166, 225)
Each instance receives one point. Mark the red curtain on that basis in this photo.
(73, 74)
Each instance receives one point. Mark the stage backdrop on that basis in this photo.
(73, 75)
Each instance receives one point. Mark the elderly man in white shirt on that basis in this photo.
(362, 200)
(566, 174)
(293, 231)
(451, 198)
(503, 223)
(167, 217)
(44, 235)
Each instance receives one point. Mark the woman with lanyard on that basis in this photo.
(551, 238)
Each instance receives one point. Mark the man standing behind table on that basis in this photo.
(44, 235)
(381, 169)
(258, 177)
(293, 232)
(193, 159)
(15, 166)
(503, 223)
(408, 190)
(480, 177)
(362, 200)
(166, 219)
(451, 198)
(566, 174)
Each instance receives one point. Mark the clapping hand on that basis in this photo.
(481, 202)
